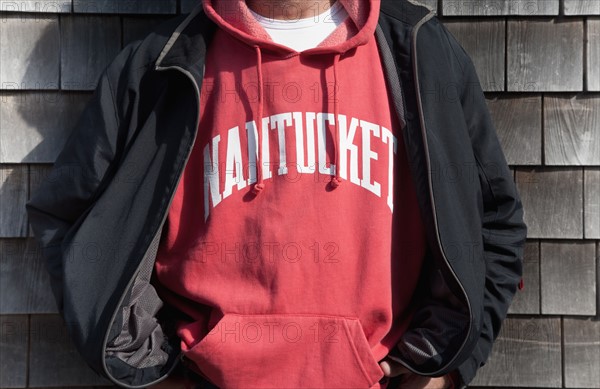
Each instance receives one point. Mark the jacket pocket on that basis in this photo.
(285, 351)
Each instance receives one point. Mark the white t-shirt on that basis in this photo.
(303, 34)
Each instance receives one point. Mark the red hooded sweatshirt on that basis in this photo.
(294, 241)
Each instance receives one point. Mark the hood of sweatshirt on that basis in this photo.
(234, 17)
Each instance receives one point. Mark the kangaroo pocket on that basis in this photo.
(286, 351)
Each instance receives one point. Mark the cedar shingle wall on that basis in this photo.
(539, 63)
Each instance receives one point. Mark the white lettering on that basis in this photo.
(234, 176)
(280, 122)
(252, 134)
(368, 156)
(309, 151)
(389, 139)
(322, 141)
(309, 167)
(347, 135)
(211, 175)
(266, 157)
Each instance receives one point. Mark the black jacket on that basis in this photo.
(100, 213)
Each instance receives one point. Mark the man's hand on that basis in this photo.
(411, 380)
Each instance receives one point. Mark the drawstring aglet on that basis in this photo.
(257, 188)
(335, 182)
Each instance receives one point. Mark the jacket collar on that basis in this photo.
(186, 47)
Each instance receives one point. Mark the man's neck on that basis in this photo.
(289, 9)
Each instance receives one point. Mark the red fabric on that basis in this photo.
(521, 284)
(303, 285)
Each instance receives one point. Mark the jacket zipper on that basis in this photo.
(431, 196)
(164, 217)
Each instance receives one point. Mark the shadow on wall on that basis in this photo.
(36, 117)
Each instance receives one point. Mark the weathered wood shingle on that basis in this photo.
(13, 350)
(568, 278)
(24, 280)
(484, 42)
(593, 54)
(527, 353)
(572, 130)
(25, 43)
(582, 352)
(53, 359)
(88, 44)
(35, 125)
(500, 7)
(13, 195)
(545, 55)
(592, 203)
(582, 7)
(125, 7)
(553, 202)
(518, 122)
(45, 6)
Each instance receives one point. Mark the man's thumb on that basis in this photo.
(391, 368)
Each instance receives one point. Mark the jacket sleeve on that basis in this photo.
(77, 174)
(504, 231)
